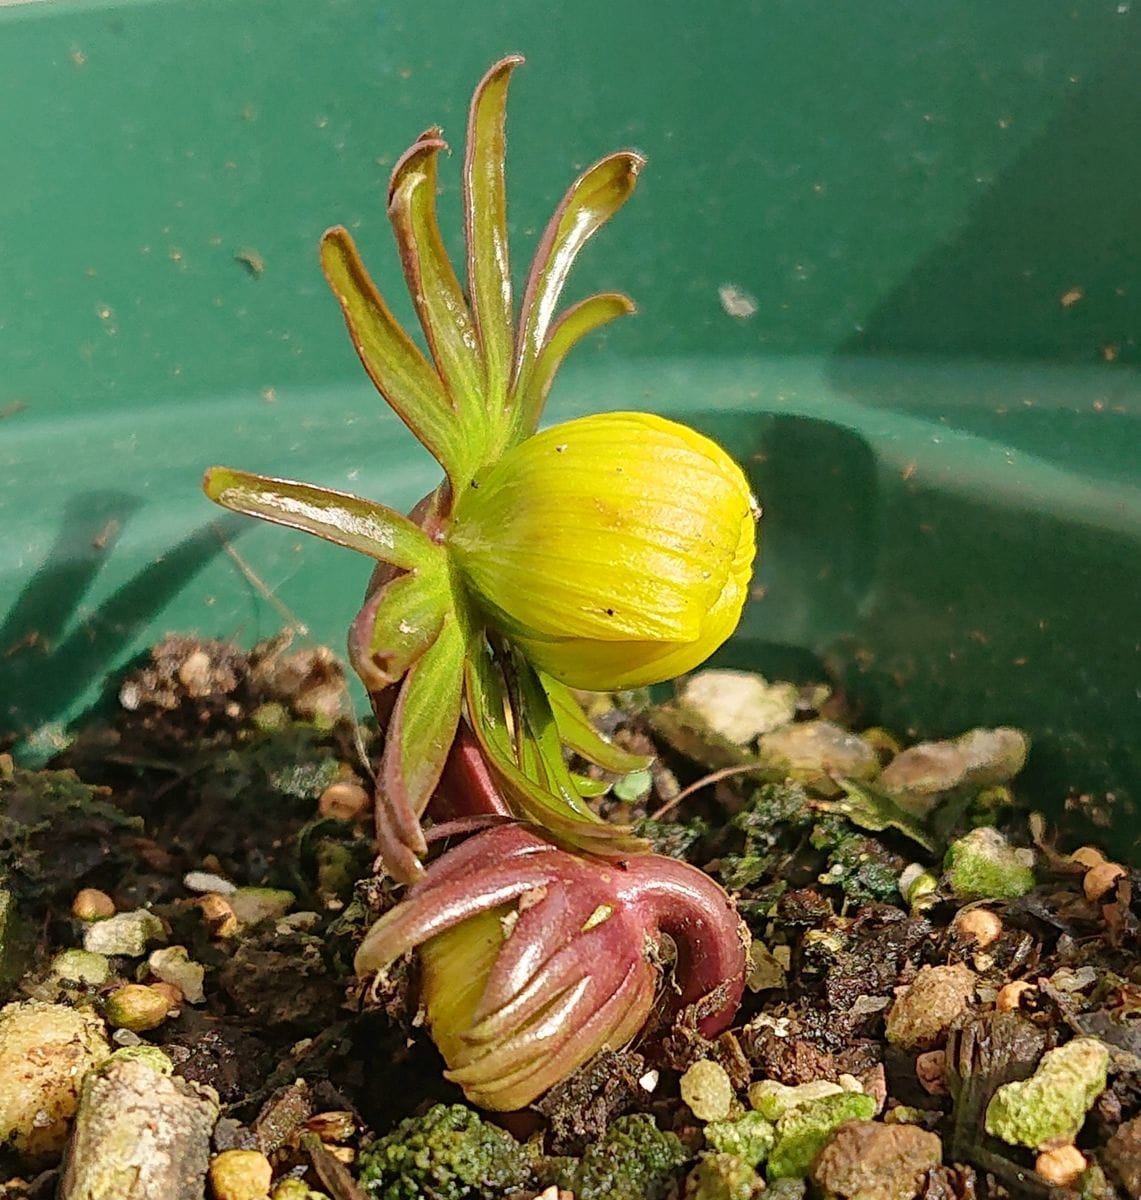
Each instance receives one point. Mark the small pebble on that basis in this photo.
(136, 1007)
(173, 965)
(1061, 1166)
(1087, 856)
(126, 933)
(1010, 995)
(174, 996)
(980, 924)
(1100, 879)
(252, 905)
(45, 1051)
(90, 904)
(240, 1175)
(773, 1099)
(868, 1160)
(930, 1070)
(708, 1091)
(81, 966)
(219, 915)
(194, 673)
(343, 800)
(922, 1014)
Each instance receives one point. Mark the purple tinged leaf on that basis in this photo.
(548, 1029)
(401, 374)
(540, 932)
(372, 529)
(436, 290)
(419, 735)
(424, 913)
(574, 324)
(699, 916)
(589, 203)
(598, 1022)
(485, 220)
(599, 953)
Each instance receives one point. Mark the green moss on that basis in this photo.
(450, 1153)
(1052, 1104)
(721, 1176)
(749, 1138)
(801, 1133)
(634, 1160)
(984, 866)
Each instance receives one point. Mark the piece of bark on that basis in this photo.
(139, 1134)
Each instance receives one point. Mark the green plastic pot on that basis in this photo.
(887, 253)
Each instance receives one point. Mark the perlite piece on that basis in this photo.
(1051, 1105)
(921, 1015)
(45, 1051)
(139, 1134)
(708, 1091)
(126, 933)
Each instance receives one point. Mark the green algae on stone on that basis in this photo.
(1051, 1105)
(984, 866)
(749, 1137)
(803, 1132)
(722, 1176)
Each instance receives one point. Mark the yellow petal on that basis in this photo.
(616, 547)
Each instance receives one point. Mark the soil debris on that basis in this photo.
(189, 880)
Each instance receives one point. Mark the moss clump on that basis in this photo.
(720, 1176)
(985, 866)
(748, 1138)
(802, 1132)
(634, 1160)
(449, 1153)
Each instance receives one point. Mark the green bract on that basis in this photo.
(485, 605)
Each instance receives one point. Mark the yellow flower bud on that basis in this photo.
(615, 550)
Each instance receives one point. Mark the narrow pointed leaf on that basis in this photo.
(536, 722)
(578, 320)
(424, 722)
(402, 375)
(590, 202)
(381, 533)
(544, 808)
(579, 735)
(485, 218)
(435, 288)
(588, 787)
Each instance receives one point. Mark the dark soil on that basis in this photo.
(245, 766)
